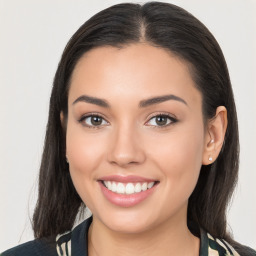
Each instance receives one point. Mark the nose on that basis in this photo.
(126, 147)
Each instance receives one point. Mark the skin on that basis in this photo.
(130, 142)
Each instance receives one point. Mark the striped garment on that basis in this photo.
(75, 243)
(212, 248)
(208, 245)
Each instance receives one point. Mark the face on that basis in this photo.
(134, 161)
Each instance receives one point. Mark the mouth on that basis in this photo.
(127, 191)
(128, 188)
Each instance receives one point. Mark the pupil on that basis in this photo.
(161, 120)
(96, 120)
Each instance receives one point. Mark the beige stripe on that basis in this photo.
(232, 249)
(63, 246)
(58, 250)
(69, 248)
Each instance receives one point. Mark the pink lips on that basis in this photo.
(124, 200)
(126, 179)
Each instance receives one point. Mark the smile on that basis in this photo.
(127, 191)
(128, 188)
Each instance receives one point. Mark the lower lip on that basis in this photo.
(124, 200)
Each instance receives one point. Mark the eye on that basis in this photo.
(93, 121)
(162, 120)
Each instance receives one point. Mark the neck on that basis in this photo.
(169, 238)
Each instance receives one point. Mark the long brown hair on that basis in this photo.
(174, 29)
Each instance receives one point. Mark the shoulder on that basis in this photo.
(44, 246)
(73, 243)
(221, 247)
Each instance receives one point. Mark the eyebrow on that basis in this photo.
(142, 103)
(159, 99)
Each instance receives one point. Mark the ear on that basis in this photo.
(62, 119)
(64, 126)
(215, 134)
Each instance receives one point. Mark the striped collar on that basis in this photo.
(75, 243)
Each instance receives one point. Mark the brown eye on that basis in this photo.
(92, 121)
(96, 120)
(162, 120)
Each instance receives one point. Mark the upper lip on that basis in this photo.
(126, 179)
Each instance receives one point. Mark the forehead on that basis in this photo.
(133, 72)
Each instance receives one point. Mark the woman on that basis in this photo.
(143, 130)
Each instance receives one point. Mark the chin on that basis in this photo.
(128, 227)
(128, 223)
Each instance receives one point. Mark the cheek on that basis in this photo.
(83, 150)
(85, 153)
(179, 157)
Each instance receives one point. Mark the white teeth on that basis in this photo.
(144, 186)
(137, 188)
(109, 185)
(151, 184)
(129, 188)
(120, 189)
(114, 187)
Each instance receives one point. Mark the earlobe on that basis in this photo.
(61, 118)
(63, 121)
(214, 139)
(63, 125)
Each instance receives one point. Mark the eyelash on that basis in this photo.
(171, 118)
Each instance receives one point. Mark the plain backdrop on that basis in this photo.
(33, 35)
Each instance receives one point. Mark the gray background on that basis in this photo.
(33, 36)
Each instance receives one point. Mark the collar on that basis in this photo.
(75, 242)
